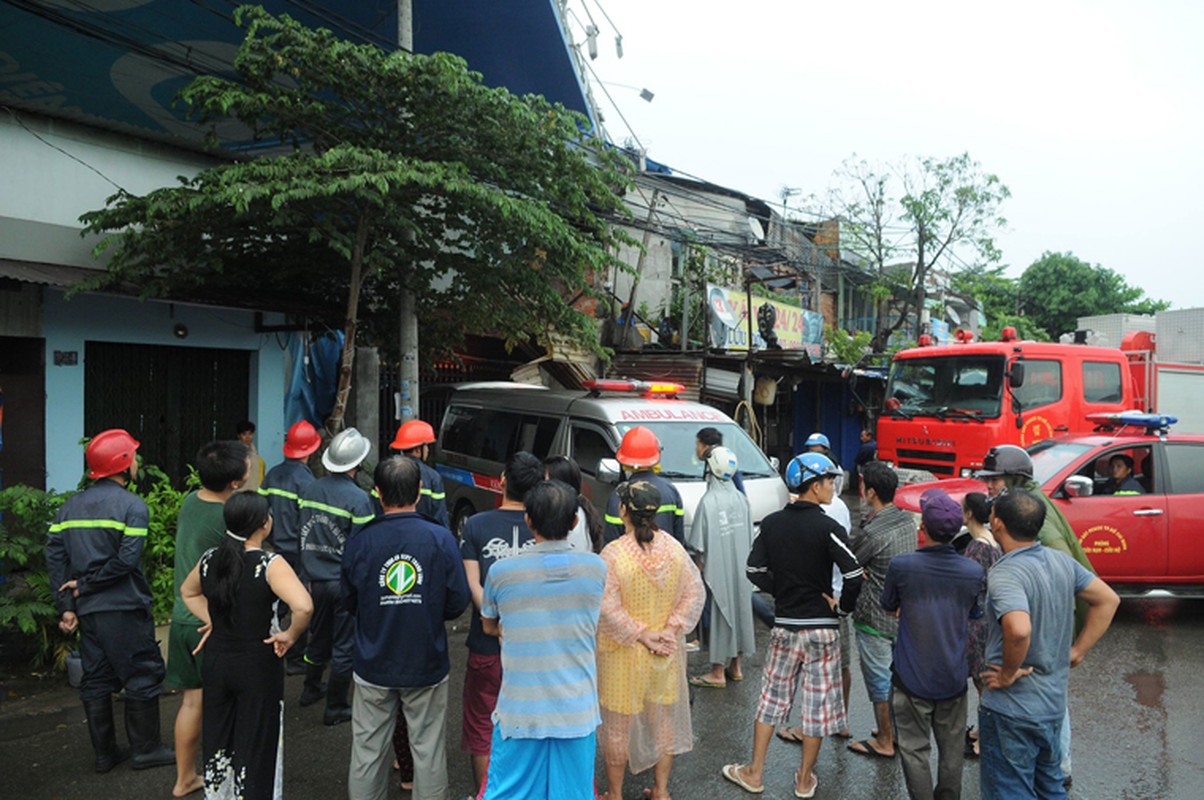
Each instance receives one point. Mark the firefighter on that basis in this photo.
(333, 509)
(283, 486)
(413, 440)
(640, 454)
(93, 556)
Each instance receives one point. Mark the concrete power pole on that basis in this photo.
(408, 335)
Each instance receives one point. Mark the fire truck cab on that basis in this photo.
(945, 406)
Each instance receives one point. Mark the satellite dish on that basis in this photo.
(954, 317)
(758, 232)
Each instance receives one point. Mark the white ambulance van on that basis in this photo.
(486, 422)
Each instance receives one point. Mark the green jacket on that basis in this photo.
(1056, 533)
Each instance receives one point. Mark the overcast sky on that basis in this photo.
(1090, 112)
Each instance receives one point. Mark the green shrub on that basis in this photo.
(26, 601)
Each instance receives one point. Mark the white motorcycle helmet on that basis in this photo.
(722, 463)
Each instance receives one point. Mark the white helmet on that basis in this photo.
(722, 463)
(346, 451)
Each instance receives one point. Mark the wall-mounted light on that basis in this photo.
(180, 330)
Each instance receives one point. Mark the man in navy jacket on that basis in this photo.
(402, 578)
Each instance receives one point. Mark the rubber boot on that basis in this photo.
(338, 707)
(314, 689)
(104, 737)
(142, 726)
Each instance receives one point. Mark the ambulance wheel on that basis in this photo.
(463, 511)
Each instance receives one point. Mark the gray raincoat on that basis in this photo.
(722, 534)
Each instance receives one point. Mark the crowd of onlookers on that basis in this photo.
(580, 621)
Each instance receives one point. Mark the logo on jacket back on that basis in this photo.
(399, 575)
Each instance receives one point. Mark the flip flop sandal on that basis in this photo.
(804, 795)
(699, 680)
(869, 749)
(732, 773)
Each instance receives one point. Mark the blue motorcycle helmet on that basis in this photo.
(806, 467)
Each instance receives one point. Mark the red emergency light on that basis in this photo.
(925, 340)
(1008, 334)
(645, 388)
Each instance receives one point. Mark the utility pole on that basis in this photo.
(408, 408)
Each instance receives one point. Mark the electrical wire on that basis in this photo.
(54, 146)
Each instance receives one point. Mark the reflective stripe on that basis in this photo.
(431, 494)
(670, 508)
(338, 512)
(279, 493)
(109, 524)
(614, 520)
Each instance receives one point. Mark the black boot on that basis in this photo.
(104, 738)
(314, 689)
(295, 665)
(338, 707)
(142, 726)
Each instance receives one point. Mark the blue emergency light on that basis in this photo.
(1116, 420)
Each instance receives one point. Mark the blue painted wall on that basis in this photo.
(68, 324)
(823, 405)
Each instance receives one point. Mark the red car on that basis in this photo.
(1149, 538)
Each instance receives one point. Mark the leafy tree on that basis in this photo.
(392, 170)
(1058, 288)
(900, 221)
(1000, 298)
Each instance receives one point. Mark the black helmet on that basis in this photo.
(1006, 459)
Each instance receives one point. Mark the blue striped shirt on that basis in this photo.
(547, 601)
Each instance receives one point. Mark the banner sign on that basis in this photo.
(793, 327)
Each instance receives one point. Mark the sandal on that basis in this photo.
(704, 681)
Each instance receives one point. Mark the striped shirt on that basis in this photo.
(547, 601)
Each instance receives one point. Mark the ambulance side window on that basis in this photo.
(1185, 468)
(590, 447)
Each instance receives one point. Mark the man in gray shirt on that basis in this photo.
(1030, 600)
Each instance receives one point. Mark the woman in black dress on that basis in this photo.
(233, 589)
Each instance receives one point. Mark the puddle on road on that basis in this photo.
(1149, 688)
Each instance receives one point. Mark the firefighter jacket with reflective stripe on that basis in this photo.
(97, 539)
(432, 501)
(670, 518)
(332, 509)
(283, 486)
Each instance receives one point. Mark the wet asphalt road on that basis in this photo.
(1137, 705)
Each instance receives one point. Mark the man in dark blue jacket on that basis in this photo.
(283, 486)
(93, 557)
(333, 509)
(402, 578)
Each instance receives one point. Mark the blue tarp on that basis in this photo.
(313, 381)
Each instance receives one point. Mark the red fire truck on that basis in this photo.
(946, 405)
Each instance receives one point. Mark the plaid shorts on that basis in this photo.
(809, 660)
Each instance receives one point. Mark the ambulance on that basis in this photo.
(486, 422)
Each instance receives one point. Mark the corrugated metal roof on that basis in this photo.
(672, 367)
(44, 274)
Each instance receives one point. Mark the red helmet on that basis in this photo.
(302, 440)
(110, 452)
(413, 433)
(640, 448)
